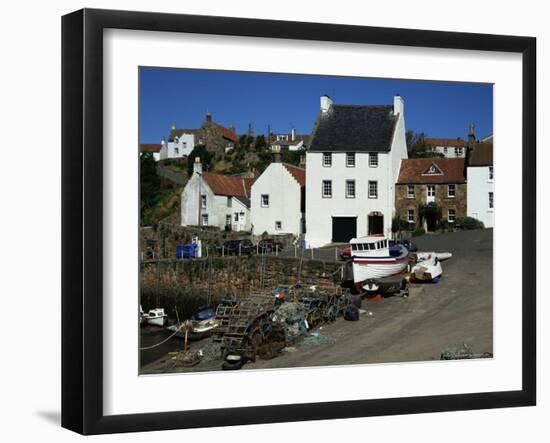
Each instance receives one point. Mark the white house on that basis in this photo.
(210, 199)
(481, 180)
(351, 169)
(151, 148)
(277, 202)
(448, 147)
(180, 143)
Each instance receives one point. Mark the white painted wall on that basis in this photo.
(217, 207)
(451, 151)
(184, 145)
(478, 190)
(284, 202)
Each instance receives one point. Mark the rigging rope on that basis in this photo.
(162, 342)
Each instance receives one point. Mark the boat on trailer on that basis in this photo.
(373, 261)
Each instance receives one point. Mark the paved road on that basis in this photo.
(457, 310)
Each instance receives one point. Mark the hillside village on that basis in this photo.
(360, 172)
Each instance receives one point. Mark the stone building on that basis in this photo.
(431, 189)
(216, 137)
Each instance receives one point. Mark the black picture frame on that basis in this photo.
(82, 219)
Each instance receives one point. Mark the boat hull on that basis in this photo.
(156, 321)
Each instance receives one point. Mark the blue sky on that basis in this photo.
(440, 109)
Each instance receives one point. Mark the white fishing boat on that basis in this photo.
(441, 256)
(373, 259)
(427, 270)
(142, 316)
(156, 317)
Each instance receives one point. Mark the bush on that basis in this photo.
(443, 224)
(418, 232)
(468, 223)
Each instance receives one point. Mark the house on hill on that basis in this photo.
(181, 143)
(428, 185)
(277, 203)
(219, 200)
(352, 166)
(151, 148)
(480, 171)
(448, 147)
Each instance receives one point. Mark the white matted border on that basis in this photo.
(125, 392)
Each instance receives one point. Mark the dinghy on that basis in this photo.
(427, 270)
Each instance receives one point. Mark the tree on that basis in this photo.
(205, 156)
(416, 145)
(149, 181)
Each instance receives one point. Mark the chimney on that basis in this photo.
(326, 103)
(197, 166)
(163, 141)
(276, 150)
(173, 126)
(398, 105)
(293, 134)
(302, 161)
(471, 138)
(208, 117)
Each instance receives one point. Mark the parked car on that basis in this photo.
(236, 247)
(270, 244)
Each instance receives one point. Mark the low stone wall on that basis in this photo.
(186, 284)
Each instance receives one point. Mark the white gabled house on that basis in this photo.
(181, 143)
(480, 172)
(352, 166)
(219, 200)
(278, 200)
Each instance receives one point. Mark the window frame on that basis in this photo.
(491, 177)
(280, 227)
(373, 155)
(428, 187)
(449, 215)
(409, 210)
(327, 155)
(262, 204)
(204, 220)
(350, 155)
(491, 202)
(449, 190)
(203, 201)
(323, 182)
(409, 194)
(348, 195)
(375, 182)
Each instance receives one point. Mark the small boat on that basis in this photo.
(427, 270)
(142, 316)
(202, 322)
(441, 256)
(156, 317)
(373, 259)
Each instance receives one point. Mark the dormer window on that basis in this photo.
(327, 159)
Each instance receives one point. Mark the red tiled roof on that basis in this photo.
(226, 133)
(149, 147)
(298, 173)
(414, 170)
(445, 142)
(228, 185)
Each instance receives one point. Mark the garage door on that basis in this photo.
(344, 229)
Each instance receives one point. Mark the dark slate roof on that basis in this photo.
(178, 132)
(347, 128)
(244, 200)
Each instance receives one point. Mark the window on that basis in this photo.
(350, 188)
(228, 220)
(177, 150)
(327, 188)
(451, 215)
(205, 219)
(431, 191)
(236, 217)
(458, 152)
(203, 201)
(278, 225)
(350, 159)
(373, 159)
(445, 150)
(491, 173)
(264, 201)
(410, 191)
(229, 202)
(373, 189)
(451, 191)
(491, 203)
(184, 145)
(410, 215)
(327, 159)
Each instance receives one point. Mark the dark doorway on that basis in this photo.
(376, 224)
(430, 222)
(344, 229)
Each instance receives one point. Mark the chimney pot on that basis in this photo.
(326, 103)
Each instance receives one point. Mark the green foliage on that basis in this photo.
(443, 225)
(429, 209)
(416, 145)
(418, 232)
(149, 181)
(468, 223)
(292, 157)
(205, 156)
(398, 224)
